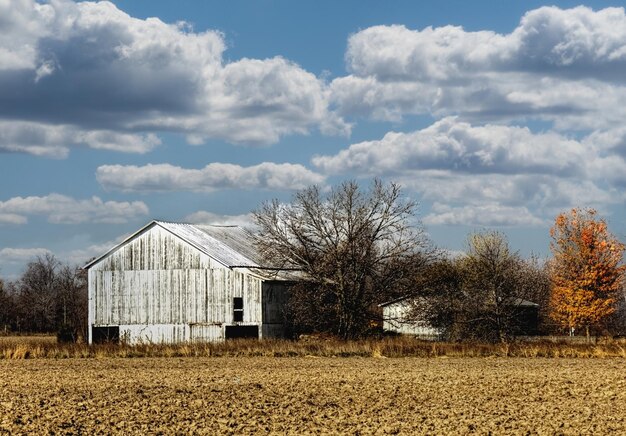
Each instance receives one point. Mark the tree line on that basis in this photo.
(358, 248)
(49, 297)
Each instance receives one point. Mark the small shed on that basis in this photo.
(526, 315)
(396, 319)
(175, 282)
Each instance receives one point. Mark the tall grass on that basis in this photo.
(387, 347)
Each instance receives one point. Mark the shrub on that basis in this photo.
(66, 334)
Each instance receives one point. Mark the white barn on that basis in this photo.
(172, 282)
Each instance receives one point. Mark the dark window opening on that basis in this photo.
(237, 309)
(242, 331)
(105, 334)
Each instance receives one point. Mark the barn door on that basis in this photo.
(241, 331)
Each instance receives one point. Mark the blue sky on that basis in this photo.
(490, 114)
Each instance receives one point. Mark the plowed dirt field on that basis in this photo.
(313, 395)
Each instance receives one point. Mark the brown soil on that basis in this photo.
(313, 395)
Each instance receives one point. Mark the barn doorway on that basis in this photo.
(100, 335)
(242, 331)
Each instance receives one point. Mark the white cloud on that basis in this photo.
(22, 22)
(83, 255)
(565, 66)
(61, 209)
(13, 259)
(91, 66)
(166, 177)
(12, 218)
(55, 140)
(135, 76)
(205, 217)
(547, 38)
(545, 193)
(21, 255)
(452, 145)
(492, 174)
(505, 200)
(488, 215)
(561, 66)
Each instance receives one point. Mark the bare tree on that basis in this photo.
(37, 294)
(534, 274)
(486, 294)
(6, 308)
(494, 286)
(438, 300)
(48, 297)
(71, 303)
(357, 249)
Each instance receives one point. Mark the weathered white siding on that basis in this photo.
(155, 249)
(154, 333)
(206, 332)
(158, 288)
(173, 296)
(170, 333)
(396, 319)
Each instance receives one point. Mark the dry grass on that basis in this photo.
(259, 395)
(38, 347)
(28, 339)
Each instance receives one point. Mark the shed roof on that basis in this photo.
(515, 302)
(232, 246)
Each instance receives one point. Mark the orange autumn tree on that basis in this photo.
(586, 271)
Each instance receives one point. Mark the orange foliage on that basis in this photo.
(586, 271)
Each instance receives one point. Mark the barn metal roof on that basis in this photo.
(232, 246)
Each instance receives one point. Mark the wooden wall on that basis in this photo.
(396, 319)
(158, 288)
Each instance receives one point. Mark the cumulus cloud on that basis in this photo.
(89, 66)
(452, 145)
(565, 66)
(12, 260)
(547, 39)
(205, 217)
(55, 140)
(492, 174)
(505, 200)
(61, 209)
(166, 177)
(545, 193)
(12, 218)
(21, 255)
(82, 256)
(488, 215)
